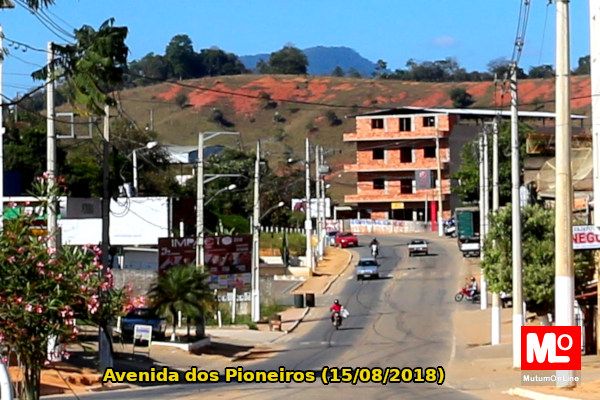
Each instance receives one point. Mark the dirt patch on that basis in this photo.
(170, 94)
(586, 391)
(62, 379)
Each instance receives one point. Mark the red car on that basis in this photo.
(346, 239)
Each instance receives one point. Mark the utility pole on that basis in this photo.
(256, 239)
(485, 215)
(200, 202)
(595, 84)
(135, 173)
(2, 129)
(308, 221)
(318, 198)
(104, 347)
(481, 199)
(152, 119)
(439, 176)
(51, 151)
(517, 275)
(496, 313)
(323, 209)
(564, 279)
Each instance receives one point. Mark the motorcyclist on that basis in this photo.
(336, 307)
(374, 245)
(472, 287)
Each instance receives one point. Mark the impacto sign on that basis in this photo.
(586, 237)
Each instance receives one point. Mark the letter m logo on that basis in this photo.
(550, 348)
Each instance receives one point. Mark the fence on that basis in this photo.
(387, 226)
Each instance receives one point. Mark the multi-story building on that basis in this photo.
(397, 162)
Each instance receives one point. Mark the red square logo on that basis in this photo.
(550, 348)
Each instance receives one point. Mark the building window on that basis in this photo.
(429, 122)
(405, 125)
(379, 184)
(406, 155)
(378, 154)
(377, 123)
(406, 186)
(429, 152)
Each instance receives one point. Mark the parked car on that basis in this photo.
(367, 268)
(417, 246)
(346, 239)
(144, 316)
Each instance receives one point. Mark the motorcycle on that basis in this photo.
(337, 320)
(374, 250)
(450, 227)
(464, 293)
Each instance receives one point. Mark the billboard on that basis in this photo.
(228, 259)
(586, 237)
(300, 204)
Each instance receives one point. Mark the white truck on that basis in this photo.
(418, 246)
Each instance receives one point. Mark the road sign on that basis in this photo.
(586, 237)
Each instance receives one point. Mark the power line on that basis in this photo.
(48, 23)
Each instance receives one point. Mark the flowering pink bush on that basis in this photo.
(42, 290)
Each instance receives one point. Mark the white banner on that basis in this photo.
(586, 237)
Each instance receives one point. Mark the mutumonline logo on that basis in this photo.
(536, 378)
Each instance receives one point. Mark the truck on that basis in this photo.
(467, 227)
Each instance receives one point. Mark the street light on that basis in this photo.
(280, 204)
(148, 146)
(231, 187)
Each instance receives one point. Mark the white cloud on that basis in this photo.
(444, 41)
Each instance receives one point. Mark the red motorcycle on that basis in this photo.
(464, 293)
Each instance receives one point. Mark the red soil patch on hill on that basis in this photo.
(170, 94)
(436, 99)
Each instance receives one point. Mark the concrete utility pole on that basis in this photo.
(318, 198)
(564, 279)
(517, 277)
(52, 227)
(256, 239)
(496, 316)
(595, 84)
(104, 349)
(308, 221)
(485, 215)
(440, 214)
(481, 198)
(200, 202)
(1, 129)
(324, 208)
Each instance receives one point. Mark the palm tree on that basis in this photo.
(181, 288)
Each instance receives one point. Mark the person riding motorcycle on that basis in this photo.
(374, 245)
(472, 287)
(336, 307)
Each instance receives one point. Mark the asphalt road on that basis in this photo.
(403, 319)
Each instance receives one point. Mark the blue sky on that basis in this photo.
(473, 31)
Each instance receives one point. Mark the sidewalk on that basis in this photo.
(228, 344)
(328, 270)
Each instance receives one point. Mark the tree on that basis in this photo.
(289, 60)
(460, 98)
(181, 288)
(150, 69)
(91, 67)
(337, 71)
(501, 68)
(541, 71)
(181, 56)
(468, 171)
(380, 68)
(353, 73)
(538, 257)
(217, 62)
(41, 289)
(583, 66)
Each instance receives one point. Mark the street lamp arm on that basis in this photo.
(212, 177)
(280, 204)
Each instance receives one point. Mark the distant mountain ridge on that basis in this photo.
(322, 60)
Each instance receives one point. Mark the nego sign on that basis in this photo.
(586, 237)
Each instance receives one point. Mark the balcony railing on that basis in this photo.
(382, 135)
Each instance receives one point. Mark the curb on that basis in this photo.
(306, 310)
(530, 394)
(338, 275)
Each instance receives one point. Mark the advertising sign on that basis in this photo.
(586, 237)
(423, 179)
(228, 259)
(299, 205)
(176, 251)
(142, 333)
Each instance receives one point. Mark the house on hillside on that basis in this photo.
(397, 159)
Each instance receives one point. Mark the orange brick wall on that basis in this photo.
(444, 124)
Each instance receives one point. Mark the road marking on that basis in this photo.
(453, 353)
(349, 278)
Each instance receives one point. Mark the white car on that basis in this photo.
(367, 268)
(417, 246)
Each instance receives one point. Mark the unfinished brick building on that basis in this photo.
(397, 160)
